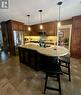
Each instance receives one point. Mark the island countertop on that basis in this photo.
(49, 51)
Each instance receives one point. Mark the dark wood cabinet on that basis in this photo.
(34, 59)
(10, 38)
(21, 55)
(9, 29)
(21, 27)
(18, 26)
(34, 30)
(50, 29)
(14, 25)
(15, 29)
(31, 58)
(26, 32)
(4, 35)
(76, 37)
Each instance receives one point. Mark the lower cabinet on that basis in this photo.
(30, 58)
(21, 55)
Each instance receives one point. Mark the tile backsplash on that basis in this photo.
(47, 39)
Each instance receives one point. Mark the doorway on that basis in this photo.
(64, 36)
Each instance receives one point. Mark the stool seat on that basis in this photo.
(55, 70)
(65, 59)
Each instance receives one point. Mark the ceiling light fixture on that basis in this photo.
(59, 4)
(29, 28)
(41, 26)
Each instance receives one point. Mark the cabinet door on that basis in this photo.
(21, 27)
(14, 25)
(21, 55)
(51, 28)
(33, 58)
(34, 30)
(26, 32)
(26, 57)
(4, 34)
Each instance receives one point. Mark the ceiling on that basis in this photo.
(18, 9)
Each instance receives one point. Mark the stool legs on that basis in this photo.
(69, 72)
(58, 77)
(46, 78)
(67, 66)
(46, 87)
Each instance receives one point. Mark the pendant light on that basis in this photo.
(59, 4)
(29, 28)
(41, 26)
(59, 21)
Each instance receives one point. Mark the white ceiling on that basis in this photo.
(18, 9)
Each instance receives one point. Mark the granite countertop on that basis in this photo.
(49, 51)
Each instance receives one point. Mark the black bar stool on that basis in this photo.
(52, 69)
(64, 61)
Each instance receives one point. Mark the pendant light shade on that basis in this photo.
(29, 28)
(59, 21)
(41, 26)
(59, 24)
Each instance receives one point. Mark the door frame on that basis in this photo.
(63, 27)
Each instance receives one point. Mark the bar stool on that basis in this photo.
(64, 61)
(52, 69)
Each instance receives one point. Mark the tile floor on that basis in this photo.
(18, 79)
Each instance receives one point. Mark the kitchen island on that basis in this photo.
(32, 54)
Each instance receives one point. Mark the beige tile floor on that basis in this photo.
(18, 79)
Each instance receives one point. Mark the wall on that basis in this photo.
(76, 37)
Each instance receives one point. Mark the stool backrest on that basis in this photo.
(51, 63)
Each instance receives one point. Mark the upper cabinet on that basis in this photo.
(34, 30)
(21, 26)
(49, 28)
(18, 26)
(26, 32)
(14, 25)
